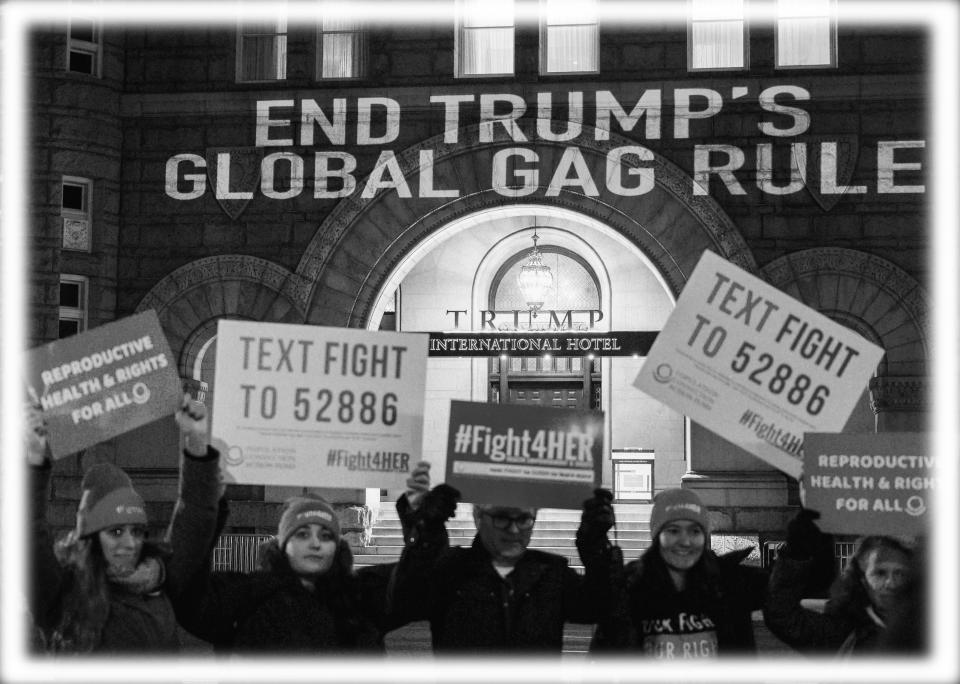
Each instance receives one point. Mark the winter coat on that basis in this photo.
(843, 629)
(271, 611)
(138, 620)
(710, 617)
(472, 609)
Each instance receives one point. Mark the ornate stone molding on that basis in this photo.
(668, 249)
(227, 267)
(866, 292)
(899, 394)
(191, 299)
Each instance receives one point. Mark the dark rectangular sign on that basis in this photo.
(510, 455)
(560, 343)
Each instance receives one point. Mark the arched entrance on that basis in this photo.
(550, 380)
(360, 244)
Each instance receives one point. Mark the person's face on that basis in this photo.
(121, 545)
(884, 574)
(310, 550)
(505, 532)
(681, 544)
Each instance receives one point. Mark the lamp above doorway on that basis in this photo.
(534, 278)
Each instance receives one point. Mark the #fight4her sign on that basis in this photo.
(313, 406)
(869, 483)
(755, 365)
(523, 456)
(104, 382)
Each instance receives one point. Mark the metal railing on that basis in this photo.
(238, 552)
(842, 553)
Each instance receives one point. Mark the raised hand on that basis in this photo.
(804, 538)
(598, 517)
(35, 434)
(418, 484)
(191, 418)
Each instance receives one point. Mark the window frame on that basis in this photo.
(544, 45)
(832, 36)
(79, 314)
(459, 45)
(361, 45)
(281, 19)
(744, 20)
(84, 214)
(93, 48)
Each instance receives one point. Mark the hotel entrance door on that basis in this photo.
(563, 382)
(557, 395)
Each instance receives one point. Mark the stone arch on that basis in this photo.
(867, 293)
(191, 299)
(362, 240)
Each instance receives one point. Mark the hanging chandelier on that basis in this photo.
(534, 278)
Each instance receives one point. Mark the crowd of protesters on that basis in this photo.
(105, 588)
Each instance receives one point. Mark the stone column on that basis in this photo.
(749, 500)
(900, 403)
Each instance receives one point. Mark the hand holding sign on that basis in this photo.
(192, 421)
(35, 434)
(418, 484)
(598, 516)
(439, 504)
(804, 538)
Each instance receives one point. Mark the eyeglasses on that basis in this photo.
(502, 522)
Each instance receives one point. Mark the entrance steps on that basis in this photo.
(554, 532)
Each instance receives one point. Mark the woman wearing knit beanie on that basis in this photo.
(679, 600)
(104, 587)
(306, 597)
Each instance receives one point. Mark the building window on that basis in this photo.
(569, 37)
(717, 35)
(806, 34)
(262, 51)
(484, 38)
(73, 305)
(83, 46)
(75, 195)
(341, 50)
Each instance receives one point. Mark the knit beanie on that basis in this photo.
(677, 504)
(108, 500)
(303, 510)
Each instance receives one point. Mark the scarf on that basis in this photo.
(146, 578)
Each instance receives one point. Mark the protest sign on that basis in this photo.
(306, 405)
(104, 382)
(755, 365)
(869, 483)
(524, 455)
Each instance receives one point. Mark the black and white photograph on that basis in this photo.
(479, 340)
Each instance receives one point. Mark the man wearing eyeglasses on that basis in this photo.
(496, 595)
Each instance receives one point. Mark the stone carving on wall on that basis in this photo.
(867, 293)
(191, 299)
(243, 176)
(899, 394)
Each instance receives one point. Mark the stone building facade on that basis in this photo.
(204, 196)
